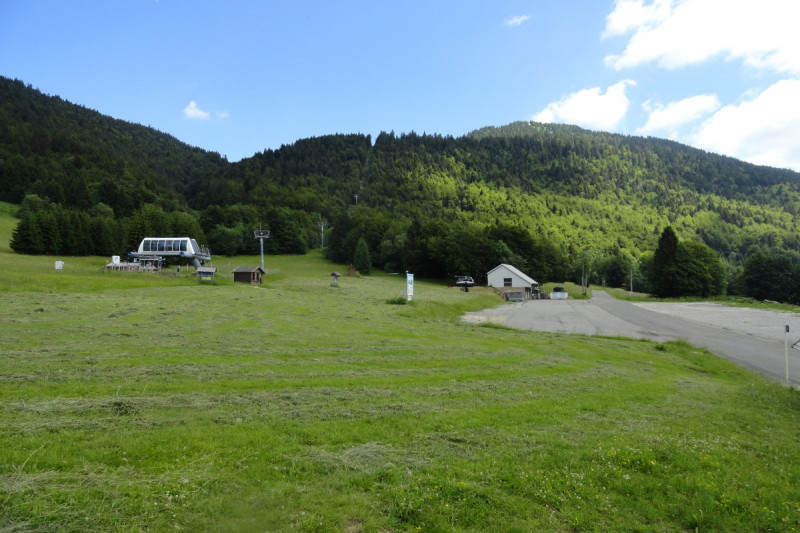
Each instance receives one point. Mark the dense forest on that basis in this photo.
(557, 201)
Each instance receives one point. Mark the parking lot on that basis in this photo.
(753, 338)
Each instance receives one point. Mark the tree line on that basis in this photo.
(48, 228)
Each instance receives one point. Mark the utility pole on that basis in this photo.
(584, 275)
(322, 223)
(586, 268)
(261, 234)
(356, 197)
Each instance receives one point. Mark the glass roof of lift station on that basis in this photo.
(175, 246)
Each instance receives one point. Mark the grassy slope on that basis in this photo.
(141, 402)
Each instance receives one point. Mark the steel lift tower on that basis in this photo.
(261, 234)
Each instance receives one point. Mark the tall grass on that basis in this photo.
(141, 402)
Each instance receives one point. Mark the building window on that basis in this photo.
(506, 282)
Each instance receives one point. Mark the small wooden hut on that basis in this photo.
(248, 275)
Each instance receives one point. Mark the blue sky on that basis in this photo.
(243, 76)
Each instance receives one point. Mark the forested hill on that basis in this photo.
(77, 157)
(551, 199)
(626, 161)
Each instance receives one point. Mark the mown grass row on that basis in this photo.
(141, 402)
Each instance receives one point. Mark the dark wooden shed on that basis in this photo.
(248, 275)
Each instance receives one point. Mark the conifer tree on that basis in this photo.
(27, 236)
(665, 267)
(361, 258)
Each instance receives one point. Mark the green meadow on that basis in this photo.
(151, 402)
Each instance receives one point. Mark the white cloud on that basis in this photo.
(666, 119)
(222, 115)
(631, 14)
(761, 33)
(764, 130)
(590, 107)
(516, 21)
(191, 111)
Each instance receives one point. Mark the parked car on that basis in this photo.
(465, 281)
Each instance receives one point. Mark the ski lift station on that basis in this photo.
(155, 248)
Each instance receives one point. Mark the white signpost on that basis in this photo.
(409, 285)
(786, 350)
(59, 265)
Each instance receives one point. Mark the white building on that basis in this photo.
(509, 279)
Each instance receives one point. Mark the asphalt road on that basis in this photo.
(752, 338)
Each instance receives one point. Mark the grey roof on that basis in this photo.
(247, 269)
(516, 271)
